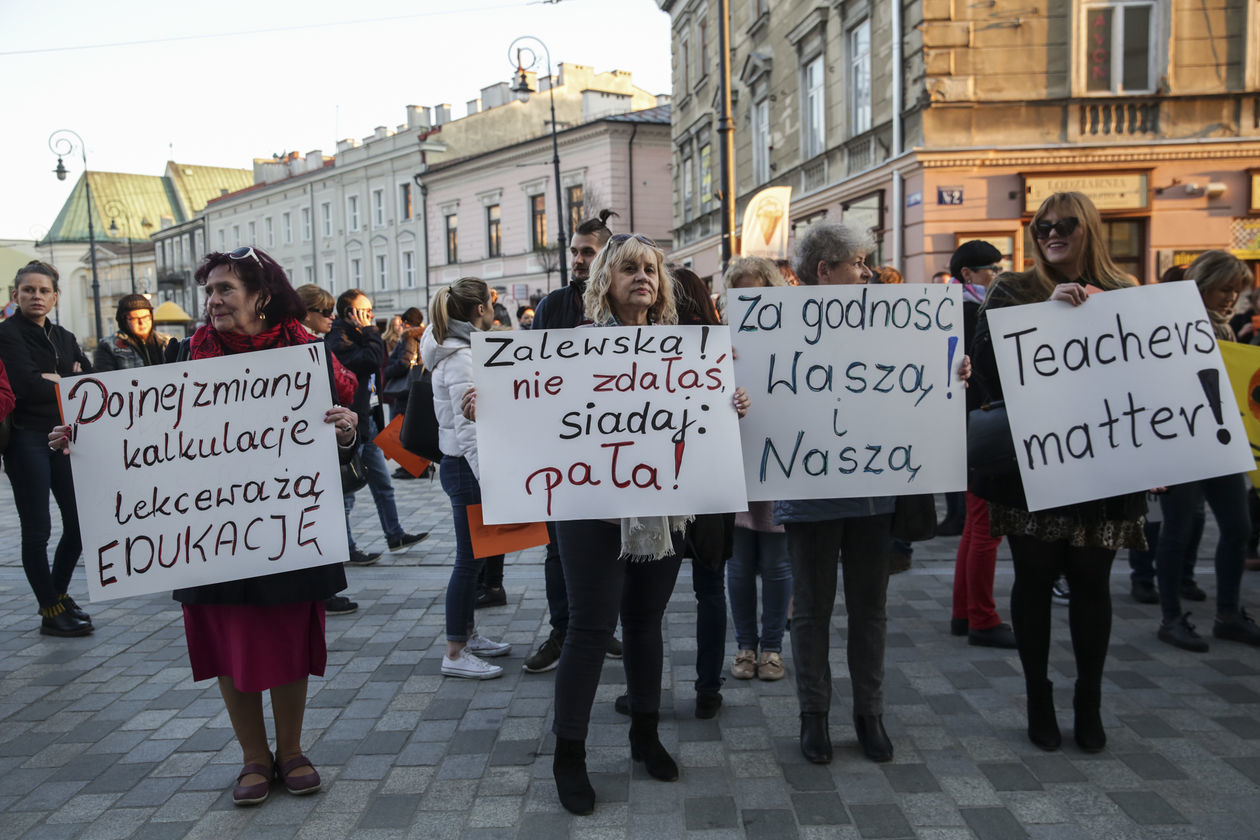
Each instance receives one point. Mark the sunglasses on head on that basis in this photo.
(1063, 227)
(619, 238)
(245, 252)
(327, 313)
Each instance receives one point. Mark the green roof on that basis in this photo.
(135, 199)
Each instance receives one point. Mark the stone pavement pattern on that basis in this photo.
(109, 737)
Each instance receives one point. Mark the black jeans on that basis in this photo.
(1227, 496)
(859, 545)
(1088, 571)
(35, 470)
(710, 588)
(601, 583)
(553, 575)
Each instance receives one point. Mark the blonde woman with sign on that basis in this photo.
(1078, 540)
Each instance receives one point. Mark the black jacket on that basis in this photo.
(562, 308)
(362, 351)
(28, 351)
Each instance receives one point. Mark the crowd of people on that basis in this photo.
(601, 572)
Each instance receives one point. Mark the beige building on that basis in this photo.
(931, 122)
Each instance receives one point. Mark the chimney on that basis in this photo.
(380, 132)
(314, 159)
(474, 106)
(442, 114)
(417, 116)
(495, 95)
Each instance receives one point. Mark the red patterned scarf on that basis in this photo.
(207, 343)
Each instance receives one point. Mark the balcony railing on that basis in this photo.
(1127, 118)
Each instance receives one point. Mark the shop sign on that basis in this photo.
(1255, 190)
(1113, 191)
(1245, 237)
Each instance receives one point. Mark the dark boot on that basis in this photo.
(645, 746)
(1043, 726)
(872, 737)
(815, 737)
(572, 784)
(1088, 729)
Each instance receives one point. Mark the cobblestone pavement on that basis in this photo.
(109, 737)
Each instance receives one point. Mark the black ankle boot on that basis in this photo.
(815, 737)
(572, 784)
(872, 738)
(1088, 729)
(645, 746)
(1043, 726)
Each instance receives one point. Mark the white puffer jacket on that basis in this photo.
(451, 365)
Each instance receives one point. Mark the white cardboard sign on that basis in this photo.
(1120, 394)
(854, 390)
(606, 423)
(206, 471)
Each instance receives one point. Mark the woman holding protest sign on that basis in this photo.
(456, 312)
(625, 566)
(1079, 540)
(1221, 277)
(261, 633)
(37, 353)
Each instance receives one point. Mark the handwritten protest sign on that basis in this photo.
(1118, 395)
(619, 421)
(206, 471)
(1242, 363)
(854, 390)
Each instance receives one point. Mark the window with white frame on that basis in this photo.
(325, 218)
(538, 221)
(356, 272)
(308, 273)
(761, 141)
(406, 211)
(494, 232)
(688, 187)
(409, 269)
(253, 233)
(1119, 46)
(269, 232)
(330, 276)
(684, 57)
(860, 78)
(306, 224)
(814, 108)
(378, 208)
(706, 177)
(236, 236)
(382, 272)
(286, 227)
(452, 238)
(222, 240)
(352, 212)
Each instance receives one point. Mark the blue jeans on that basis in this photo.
(461, 592)
(34, 471)
(380, 485)
(762, 553)
(1227, 496)
(710, 626)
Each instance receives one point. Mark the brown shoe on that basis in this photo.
(770, 668)
(745, 665)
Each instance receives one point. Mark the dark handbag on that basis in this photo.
(914, 518)
(420, 423)
(990, 447)
(353, 474)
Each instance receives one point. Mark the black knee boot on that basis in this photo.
(645, 746)
(1043, 727)
(572, 784)
(1088, 728)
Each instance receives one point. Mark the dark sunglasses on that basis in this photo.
(245, 252)
(327, 313)
(1063, 227)
(625, 237)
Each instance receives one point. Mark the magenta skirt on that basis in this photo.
(257, 647)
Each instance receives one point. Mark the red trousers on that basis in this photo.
(973, 568)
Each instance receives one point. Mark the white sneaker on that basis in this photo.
(482, 646)
(470, 667)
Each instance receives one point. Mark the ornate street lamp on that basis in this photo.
(63, 142)
(114, 209)
(522, 89)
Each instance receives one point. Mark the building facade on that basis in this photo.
(356, 219)
(931, 122)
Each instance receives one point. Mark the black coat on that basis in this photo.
(562, 308)
(361, 350)
(28, 351)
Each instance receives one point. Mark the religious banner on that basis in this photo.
(854, 390)
(765, 229)
(1123, 393)
(205, 471)
(606, 423)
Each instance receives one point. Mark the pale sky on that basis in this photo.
(151, 84)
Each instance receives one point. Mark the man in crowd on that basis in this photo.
(357, 344)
